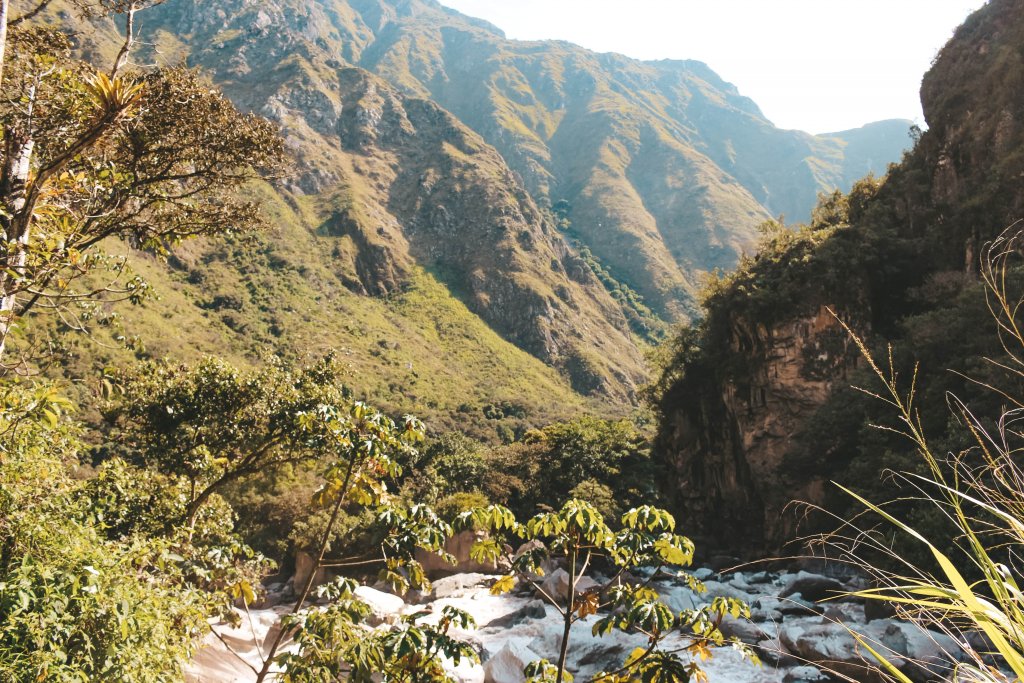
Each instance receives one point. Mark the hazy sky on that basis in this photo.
(816, 65)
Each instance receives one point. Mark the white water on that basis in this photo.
(509, 647)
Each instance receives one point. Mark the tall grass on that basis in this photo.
(971, 591)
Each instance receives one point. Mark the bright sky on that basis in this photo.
(815, 65)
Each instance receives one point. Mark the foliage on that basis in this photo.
(137, 504)
(642, 320)
(450, 464)
(74, 604)
(578, 535)
(333, 641)
(450, 507)
(214, 424)
(969, 587)
(365, 447)
(103, 579)
(543, 467)
(151, 158)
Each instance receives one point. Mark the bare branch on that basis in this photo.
(29, 15)
(129, 40)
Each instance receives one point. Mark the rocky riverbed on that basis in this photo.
(798, 631)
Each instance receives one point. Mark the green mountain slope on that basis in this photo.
(563, 202)
(664, 168)
(283, 294)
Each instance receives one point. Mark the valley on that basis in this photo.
(353, 340)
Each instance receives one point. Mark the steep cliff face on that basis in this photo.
(973, 101)
(760, 416)
(728, 442)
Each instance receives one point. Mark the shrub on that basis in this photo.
(450, 507)
(74, 604)
(578, 535)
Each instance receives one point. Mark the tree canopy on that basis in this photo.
(151, 157)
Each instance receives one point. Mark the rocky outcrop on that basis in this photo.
(728, 441)
(973, 101)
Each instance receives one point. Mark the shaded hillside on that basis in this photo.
(756, 405)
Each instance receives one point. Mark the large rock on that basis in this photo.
(926, 655)
(458, 546)
(678, 597)
(383, 606)
(556, 585)
(743, 630)
(772, 651)
(805, 674)
(760, 615)
(830, 647)
(535, 609)
(507, 665)
(460, 585)
(717, 589)
(812, 587)
(303, 566)
(230, 657)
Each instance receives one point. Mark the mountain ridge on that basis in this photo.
(585, 278)
(532, 90)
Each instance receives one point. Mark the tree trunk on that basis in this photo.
(4, 8)
(261, 675)
(570, 607)
(15, 222)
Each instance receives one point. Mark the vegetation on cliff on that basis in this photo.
(897, 260)
(963, 582)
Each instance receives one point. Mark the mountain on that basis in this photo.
(663, 169)
(555, 201)
(757, 407)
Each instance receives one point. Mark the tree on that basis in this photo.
(151, 158)
(75, 605)
(547, 464)
(366, 445)
(334, 642)
(215, 424)
(578, 535)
